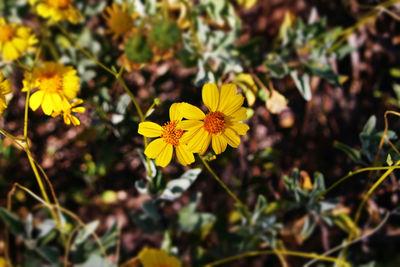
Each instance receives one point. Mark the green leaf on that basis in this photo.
(352, 153)
(137, 49)
(302, 83)
(14, 223)
(85, 232)
(50, 254)
(176, 187)
(150, 208)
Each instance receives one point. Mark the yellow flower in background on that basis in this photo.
(170, 135)
(221, 125)
(67, 113)
(57, 10)
(15, 40)
(118, 19)
(5, 88)
(157, 258)
(57, 85)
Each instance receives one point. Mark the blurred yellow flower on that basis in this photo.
(221, 125)
(170, 135)
(118, 19)
(15, 40)
(157, 258)
(5, 88)
(67, 113)
(57, 85)
(57, 10)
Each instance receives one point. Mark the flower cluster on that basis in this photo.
(15, 40)
(57, 10)
(57, 85)
(220, 126)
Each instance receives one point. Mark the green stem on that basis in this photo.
(350, 174)
(223, 185)
(282, 252)
(118, 77)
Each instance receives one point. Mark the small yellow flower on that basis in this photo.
(118, 19)
(57, 85)
(221, 125)
(15, 40)
(157, 258)
(57, 10)
(170, 135)
(5, 88)
(67, 113)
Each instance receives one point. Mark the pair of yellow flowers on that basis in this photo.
(220, 127)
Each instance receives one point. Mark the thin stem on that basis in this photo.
(118, 77)
(350, 174)
(222, 184)
(282, 252)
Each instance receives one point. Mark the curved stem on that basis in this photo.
(224, 186)
(282, 252)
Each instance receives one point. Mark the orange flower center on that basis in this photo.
(171, 134)
(214, 122)
(120, 22)
(6, 33)
(50, 83)
(59, 3)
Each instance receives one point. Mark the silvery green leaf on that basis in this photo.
(85, 232)
(45, 227)
(176, 187)
(303, 84)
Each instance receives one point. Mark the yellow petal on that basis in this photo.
(210, 94)
(9, 51)
(195, 143)
(228, 91)
(154, 148)
(231, 137)
(184, 156)
(234, 103)
(75, 120)
(240, 128)
(205, 143)
(149, 129)
(36, 99)
(47, 104)
(190, 124)
(218, 144)
(164, 158)
(188, 136)
(175, 113)
(191, 112)
(238, 115)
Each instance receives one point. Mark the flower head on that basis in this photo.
(67, 113)
(15, 40)
(57, 85)
(57, 10)
(5, 88)
(221, 125)
(170, 135)
(157, 258)
(118, 19)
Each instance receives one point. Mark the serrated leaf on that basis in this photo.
(50, 254)
(150, 209)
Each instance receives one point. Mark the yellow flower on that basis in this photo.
(221, 125)
(170, 135)
(118, 19)
(5, 88)
(57, 85)
(15, 40)
(57, 10)
(67, 113)
(157, 258)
